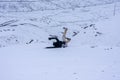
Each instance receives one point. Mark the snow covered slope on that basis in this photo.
(35, 27)
(33, 62)
(93, 53)
(101, 33)
(41, 5)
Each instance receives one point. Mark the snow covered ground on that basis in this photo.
(33, 62)
(93, 53)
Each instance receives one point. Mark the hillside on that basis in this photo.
(41, 5)
(88, 56)
(92, 54)
(35, 27)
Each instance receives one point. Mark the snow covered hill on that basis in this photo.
(35, 27)
(41, 5)
(92, 54)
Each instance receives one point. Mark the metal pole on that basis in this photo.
(114, 13)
